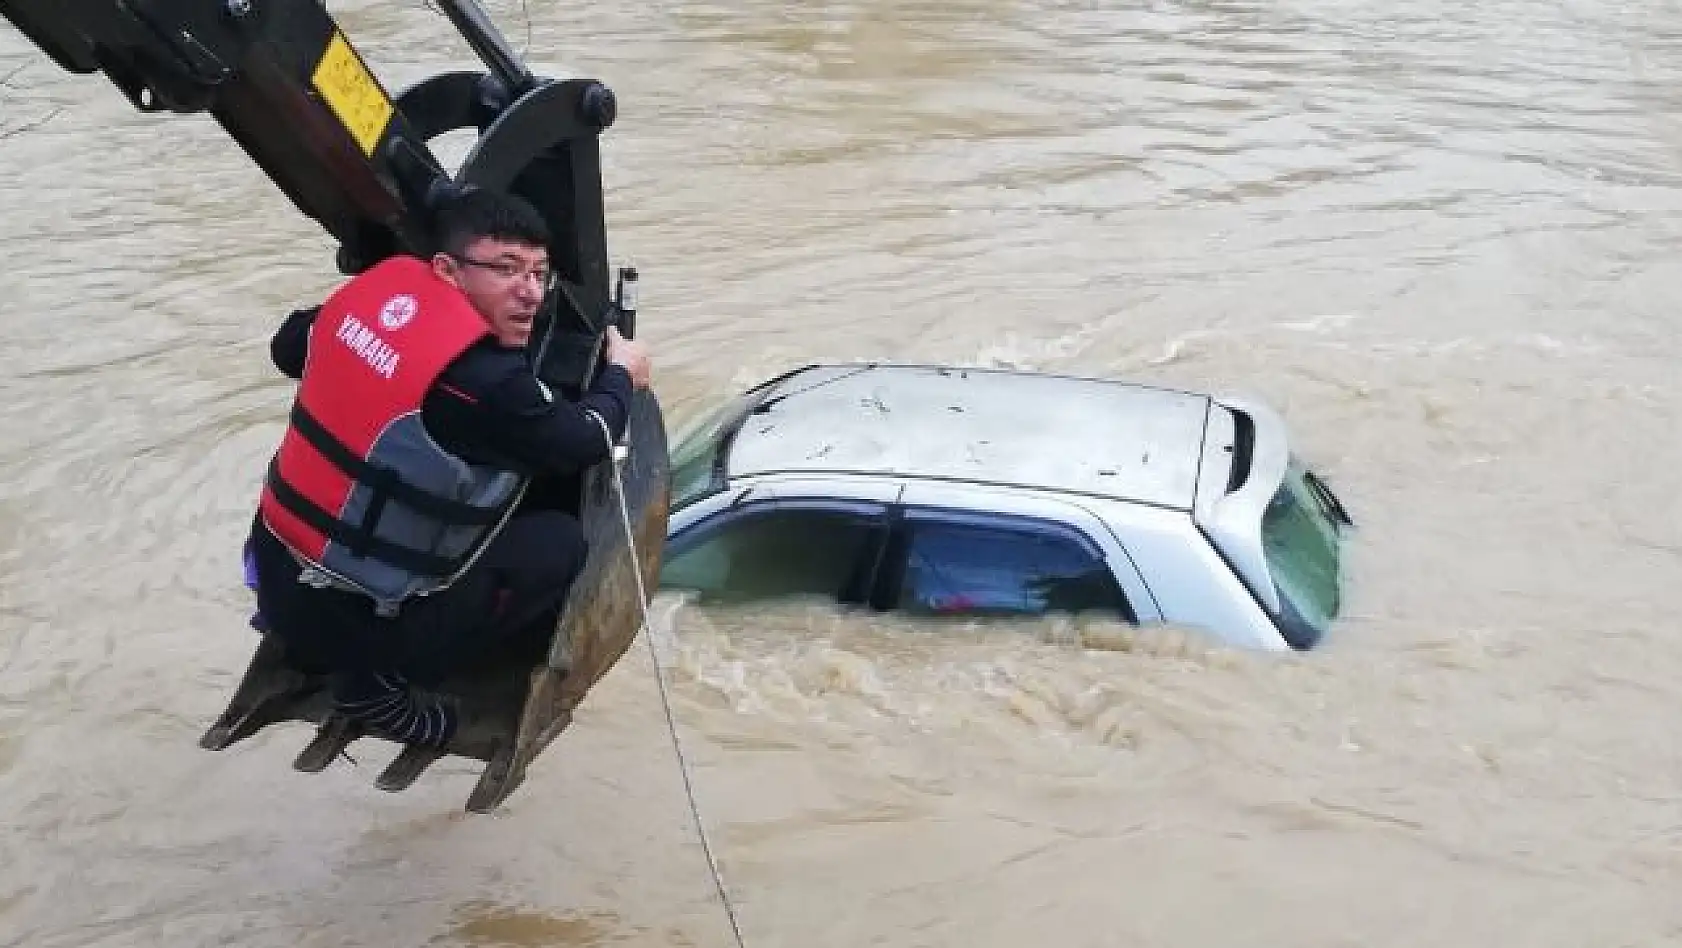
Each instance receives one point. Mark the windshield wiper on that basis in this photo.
(1329, 503)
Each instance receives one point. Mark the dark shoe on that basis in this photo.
(385, 704)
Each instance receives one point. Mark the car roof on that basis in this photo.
(1105, 438)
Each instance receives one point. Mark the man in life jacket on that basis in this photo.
(384, 547)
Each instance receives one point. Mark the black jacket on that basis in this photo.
(487, 407)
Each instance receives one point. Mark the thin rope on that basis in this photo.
(616, 455)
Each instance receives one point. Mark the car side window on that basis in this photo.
(773, 553)
(1004, 566)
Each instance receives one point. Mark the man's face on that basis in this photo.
(504, 281)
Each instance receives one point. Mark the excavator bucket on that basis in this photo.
(290, 88)
(512, 707)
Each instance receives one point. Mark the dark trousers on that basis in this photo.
(510, 598)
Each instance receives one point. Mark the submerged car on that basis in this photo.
(945, 491)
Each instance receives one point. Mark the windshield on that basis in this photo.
(1300, 537)
(696, 470)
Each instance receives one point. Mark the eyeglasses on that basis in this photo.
(509, 270)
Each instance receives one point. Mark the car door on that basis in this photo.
(963, 551)
(781, 542)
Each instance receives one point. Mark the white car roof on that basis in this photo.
(1089, 436)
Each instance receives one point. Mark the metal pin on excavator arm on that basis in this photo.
(287, 84)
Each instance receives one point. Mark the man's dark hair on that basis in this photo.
(464, 218)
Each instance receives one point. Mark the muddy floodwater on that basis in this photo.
(1443, 239)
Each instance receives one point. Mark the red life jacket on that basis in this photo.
(358, 489)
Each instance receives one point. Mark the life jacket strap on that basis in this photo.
(385, 482)
(358, 538)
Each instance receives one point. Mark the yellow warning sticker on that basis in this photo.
(351, 91)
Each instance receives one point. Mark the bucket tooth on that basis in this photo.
(242, 719)
(408, 767)
(497, 782)
(331, 739)
(267, 694)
